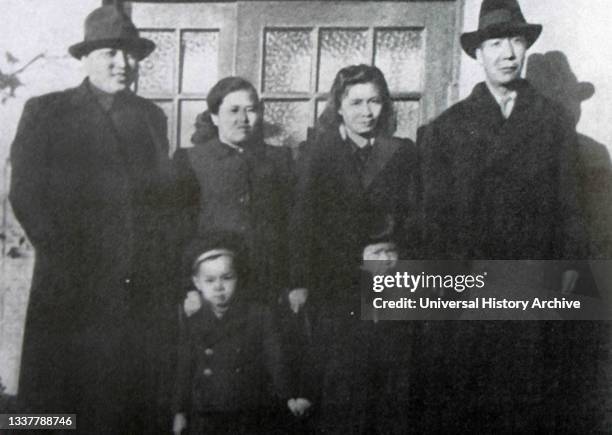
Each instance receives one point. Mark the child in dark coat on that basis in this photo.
(363, 364)
(231, 376)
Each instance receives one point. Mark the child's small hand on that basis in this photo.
(179, 424)
(297, 298)
(193, 302)
(299, 406)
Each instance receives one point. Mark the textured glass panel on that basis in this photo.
(189, 110)
(399, 54)
(286, 122)
(340, 48)
(156, 74)
(200, 60)
(166, 106)
(288, 57)
(407, 116)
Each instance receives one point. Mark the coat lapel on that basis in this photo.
(91, 120)
(489, 128)
(214, 330)
(384, 149)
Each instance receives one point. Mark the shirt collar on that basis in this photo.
(502, 100)
(236, 148)
(354, 147)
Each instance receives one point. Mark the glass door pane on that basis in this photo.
(293, 50)
(195, 47)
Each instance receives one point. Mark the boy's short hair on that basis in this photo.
(212, 245)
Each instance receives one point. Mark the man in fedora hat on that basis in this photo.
(500, 184)
(90, 184)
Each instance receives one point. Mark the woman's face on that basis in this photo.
(361, 107)
(237, 118)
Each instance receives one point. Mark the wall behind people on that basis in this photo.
(33, 60)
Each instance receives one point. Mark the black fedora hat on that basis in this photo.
(499, 18)
(108, 26)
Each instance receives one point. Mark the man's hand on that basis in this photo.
(193, 302)
(297, 298)
(179, 424)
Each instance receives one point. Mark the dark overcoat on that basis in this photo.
(91, 196)
(230, 366)
(499, 189)
(335, 205)
(246, 193)
(502, 189)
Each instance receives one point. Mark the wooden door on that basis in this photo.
(291, 51)
(195, 48)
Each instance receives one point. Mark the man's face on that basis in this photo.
(110, 69)
(502, 59)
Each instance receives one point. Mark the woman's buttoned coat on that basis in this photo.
(246, 191)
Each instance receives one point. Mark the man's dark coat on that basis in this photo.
(89, 193)
(336, 206)
(499, 189)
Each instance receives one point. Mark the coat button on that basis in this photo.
(207, 372)
(208, 352)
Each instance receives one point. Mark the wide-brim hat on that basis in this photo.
(498, 19)
(109, 27)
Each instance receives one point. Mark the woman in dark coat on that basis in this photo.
(232, 181)
(349, 175)
(351, 169)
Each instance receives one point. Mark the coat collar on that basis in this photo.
(383, 150)
(84, 95)
(85, 102)
(214, 149)
(483, 102)
(382, 153)
(500, 137)
(213, 329)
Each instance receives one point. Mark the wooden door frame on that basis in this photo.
(453, 91)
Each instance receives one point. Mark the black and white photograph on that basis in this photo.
(305, 217)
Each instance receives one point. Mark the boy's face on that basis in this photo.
(216, 279)
(381, 257)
